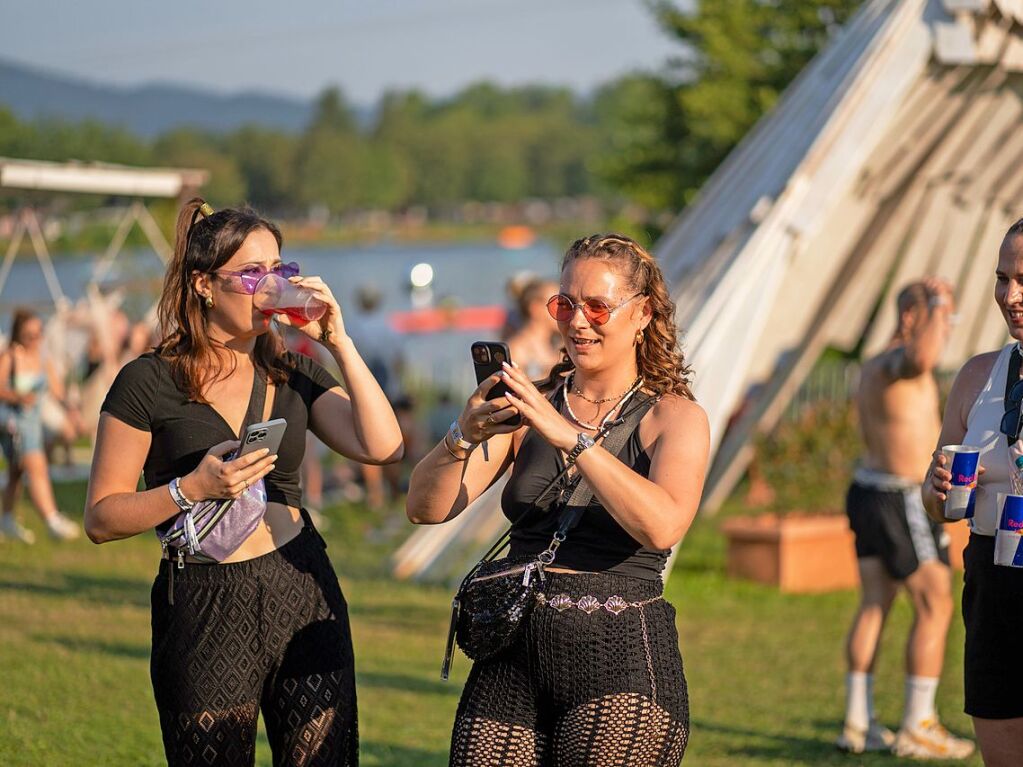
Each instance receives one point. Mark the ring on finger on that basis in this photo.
(490, 420)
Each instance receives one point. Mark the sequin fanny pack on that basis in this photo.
(493, 602)
(214, 528)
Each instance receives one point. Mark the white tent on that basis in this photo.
(895, 154)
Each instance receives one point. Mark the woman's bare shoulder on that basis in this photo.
(969, 382)
(675, 411)
(976, 370)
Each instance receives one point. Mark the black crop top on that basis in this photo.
(145, 397)
(598, 543)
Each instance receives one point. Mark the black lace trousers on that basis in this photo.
(580, 689)
(268, 634)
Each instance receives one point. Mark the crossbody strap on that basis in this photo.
(205, 515)
(1011, 377)
(613, 440)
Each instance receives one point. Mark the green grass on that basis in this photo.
(765, 670)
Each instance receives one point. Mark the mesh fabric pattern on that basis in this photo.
(268, 634)
(580, 689)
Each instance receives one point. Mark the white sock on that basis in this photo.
(859, 699)
(920, 692)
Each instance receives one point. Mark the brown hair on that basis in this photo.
(659, 357)
(22, 316)
(528, 293)
(205, 241)
(913, 296)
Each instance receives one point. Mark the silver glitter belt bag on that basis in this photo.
(494, 600)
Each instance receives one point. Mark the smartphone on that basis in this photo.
(487, 357)
(267, 434)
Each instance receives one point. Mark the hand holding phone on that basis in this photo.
(266, 434)
(487, 357)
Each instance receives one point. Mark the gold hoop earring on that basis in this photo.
(209, 302)
(639, 337)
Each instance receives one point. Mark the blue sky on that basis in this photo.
(296, 47)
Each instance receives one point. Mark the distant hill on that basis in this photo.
(146, 110)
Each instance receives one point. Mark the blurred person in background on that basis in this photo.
(26, 375)
(983, 410)
(535, 345)
(897, 546)
(381, 345)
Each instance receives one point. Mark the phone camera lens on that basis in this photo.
(499, 356)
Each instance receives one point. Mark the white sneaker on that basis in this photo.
(10, 528)
(876, 737)
(929, 740)
(61, 528)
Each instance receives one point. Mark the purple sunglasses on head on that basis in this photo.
(245, 281)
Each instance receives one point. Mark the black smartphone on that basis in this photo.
(487, 357)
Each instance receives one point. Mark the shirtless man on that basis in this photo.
(896, 543)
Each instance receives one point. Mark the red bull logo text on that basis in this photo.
(964, 480)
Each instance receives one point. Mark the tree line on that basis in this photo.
(651, 139)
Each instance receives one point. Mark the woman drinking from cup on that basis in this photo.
(266, 628)
(595, 676)
(983, 411)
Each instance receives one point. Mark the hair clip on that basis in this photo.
(206, 209)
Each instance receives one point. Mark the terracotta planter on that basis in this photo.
(804, 554)
(798, 554)
(959, 533)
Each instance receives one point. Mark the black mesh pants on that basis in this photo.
(267, 634)
(580, 689)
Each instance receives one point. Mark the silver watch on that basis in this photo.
(582, 442)
(178, 497)
(458, 438)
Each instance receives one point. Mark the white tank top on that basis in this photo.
(982, 431)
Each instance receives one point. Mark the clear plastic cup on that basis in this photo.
(1009, 536)
(276, 295)
(962, 461)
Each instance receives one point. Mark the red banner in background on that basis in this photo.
(437, 319)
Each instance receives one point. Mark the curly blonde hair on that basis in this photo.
(658, 356)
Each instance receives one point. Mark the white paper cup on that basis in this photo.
(962, 461)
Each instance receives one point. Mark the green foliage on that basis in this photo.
(486, 144)
(808, 461)
(737, 58)
(653, 139)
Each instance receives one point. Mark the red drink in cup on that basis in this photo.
(276, 295)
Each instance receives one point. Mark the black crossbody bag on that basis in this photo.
(494, 600)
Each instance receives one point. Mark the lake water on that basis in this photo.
(472, 274)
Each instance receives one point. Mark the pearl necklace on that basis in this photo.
(622, 399)
(578, 392)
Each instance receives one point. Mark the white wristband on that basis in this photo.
(179, 497)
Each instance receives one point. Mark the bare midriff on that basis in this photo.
(900, 422)
(279, 525)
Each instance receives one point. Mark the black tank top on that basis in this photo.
(598, 543)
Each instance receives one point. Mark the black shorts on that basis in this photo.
(892, 525)
(992, 599)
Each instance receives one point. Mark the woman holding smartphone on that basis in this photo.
(266, 629)
(983, 410)
(596, 677)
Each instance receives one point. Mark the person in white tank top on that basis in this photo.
(992, 594)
